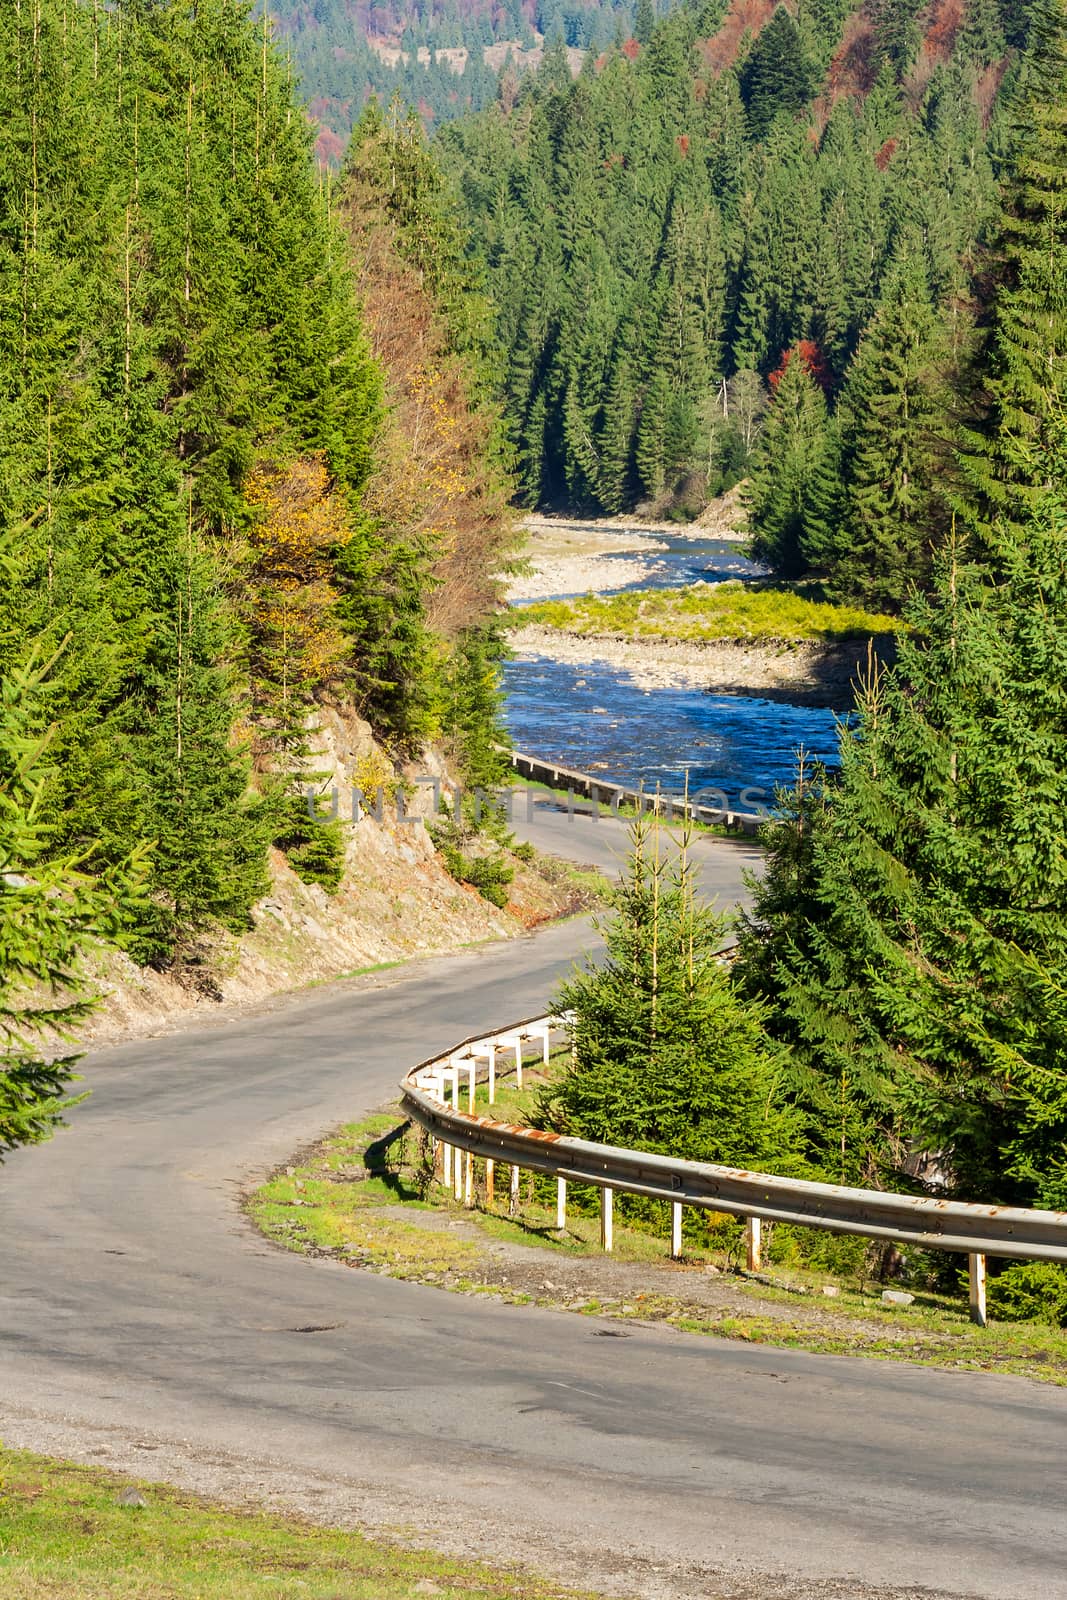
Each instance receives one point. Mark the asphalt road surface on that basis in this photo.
(603, 842)
(144, 1324)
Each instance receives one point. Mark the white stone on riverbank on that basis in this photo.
(570, 556)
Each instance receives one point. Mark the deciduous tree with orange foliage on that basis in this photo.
(441, 484)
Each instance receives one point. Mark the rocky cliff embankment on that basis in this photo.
(396, 901)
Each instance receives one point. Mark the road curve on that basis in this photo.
(144, 1322)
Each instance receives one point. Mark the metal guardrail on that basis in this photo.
(614, 795)
(958, 1226)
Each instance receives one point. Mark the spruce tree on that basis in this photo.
(666, 1057)
(688, 323)
(824, 535)
(911, 934)
(789, 454)
(802, 954)
(777, 76)
(209, 833)
(776, 274)
(981, 39)
(615, 443)
(896, 32)
(472, 706)
(1022, 385)
(893, 422)
(51, 911)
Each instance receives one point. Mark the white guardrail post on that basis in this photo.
(607, 1219)
(431, 1097)
(550, 778)
(976, 1285)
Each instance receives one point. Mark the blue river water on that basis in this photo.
(595, 718)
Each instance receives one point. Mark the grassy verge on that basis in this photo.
(65, 1532)
(590, 886)
(547, 793)
(364, 1199)
(707, 613)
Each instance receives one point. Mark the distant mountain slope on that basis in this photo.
(444, 59)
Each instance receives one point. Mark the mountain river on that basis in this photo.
(595, 718)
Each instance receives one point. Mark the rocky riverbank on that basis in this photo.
(805, 672)
(573, 555)
(582, 558)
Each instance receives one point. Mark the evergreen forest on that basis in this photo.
(214, 513)
(753, 246)
(444, 60)
(710, 270)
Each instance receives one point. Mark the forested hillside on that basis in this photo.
(201, 471)
(858, 298)
(910, 939)
(746, 247)
(442, 59)
(441, 481)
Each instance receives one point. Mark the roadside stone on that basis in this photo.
(427, 1586)
(131, 1498)
(830, 1289)
(896, 1297)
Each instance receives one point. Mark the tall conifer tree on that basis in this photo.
(912, 932)
(892, 431)
(1023, 383)
(789, 455)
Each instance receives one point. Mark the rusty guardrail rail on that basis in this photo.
(975, 1230)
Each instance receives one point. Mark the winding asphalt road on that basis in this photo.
(144, 1322)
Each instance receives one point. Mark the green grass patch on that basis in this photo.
(353, 972)
(63, 1533)
(936, 1331)
(707, 613)
(590, 886)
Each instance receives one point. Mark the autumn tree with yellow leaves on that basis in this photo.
(290, 597)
